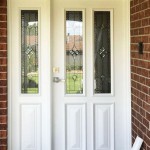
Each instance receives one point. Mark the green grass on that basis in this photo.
(35, 90)
(73, 83)
(33, 76)
(32, 91)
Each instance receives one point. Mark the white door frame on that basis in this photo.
(127, 75)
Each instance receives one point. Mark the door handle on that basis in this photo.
(57, 80)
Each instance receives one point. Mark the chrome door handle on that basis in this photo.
(57, 80)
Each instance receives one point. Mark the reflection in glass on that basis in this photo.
(74, 52)
(102, 52)
(29, 51)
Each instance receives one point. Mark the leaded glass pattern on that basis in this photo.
(102, 52)
(29, 51)
(74, 52)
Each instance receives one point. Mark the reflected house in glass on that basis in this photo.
(74, 52)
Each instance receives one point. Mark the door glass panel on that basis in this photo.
(74, 52)
(29, 51)
(102, 52)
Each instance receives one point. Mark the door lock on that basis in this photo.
(57, 80)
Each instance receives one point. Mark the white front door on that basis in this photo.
(29, 75)
(80, 101)
(89, 75)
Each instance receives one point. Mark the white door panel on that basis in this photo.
(75, 124)
(82, 112)
(30, 126)
(103, 121)
(103, 126)
(30, 111)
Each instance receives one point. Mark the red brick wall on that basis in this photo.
(3, 75)
(140, 71)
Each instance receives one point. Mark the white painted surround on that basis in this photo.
(52, 121)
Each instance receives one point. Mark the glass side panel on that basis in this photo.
(102, 52)
(74, 52)
(29, 52)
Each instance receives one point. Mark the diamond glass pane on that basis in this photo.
(29, 51)
(102, 52)
(74, 52)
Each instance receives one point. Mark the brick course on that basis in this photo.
(3, 74)
(140, 71)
